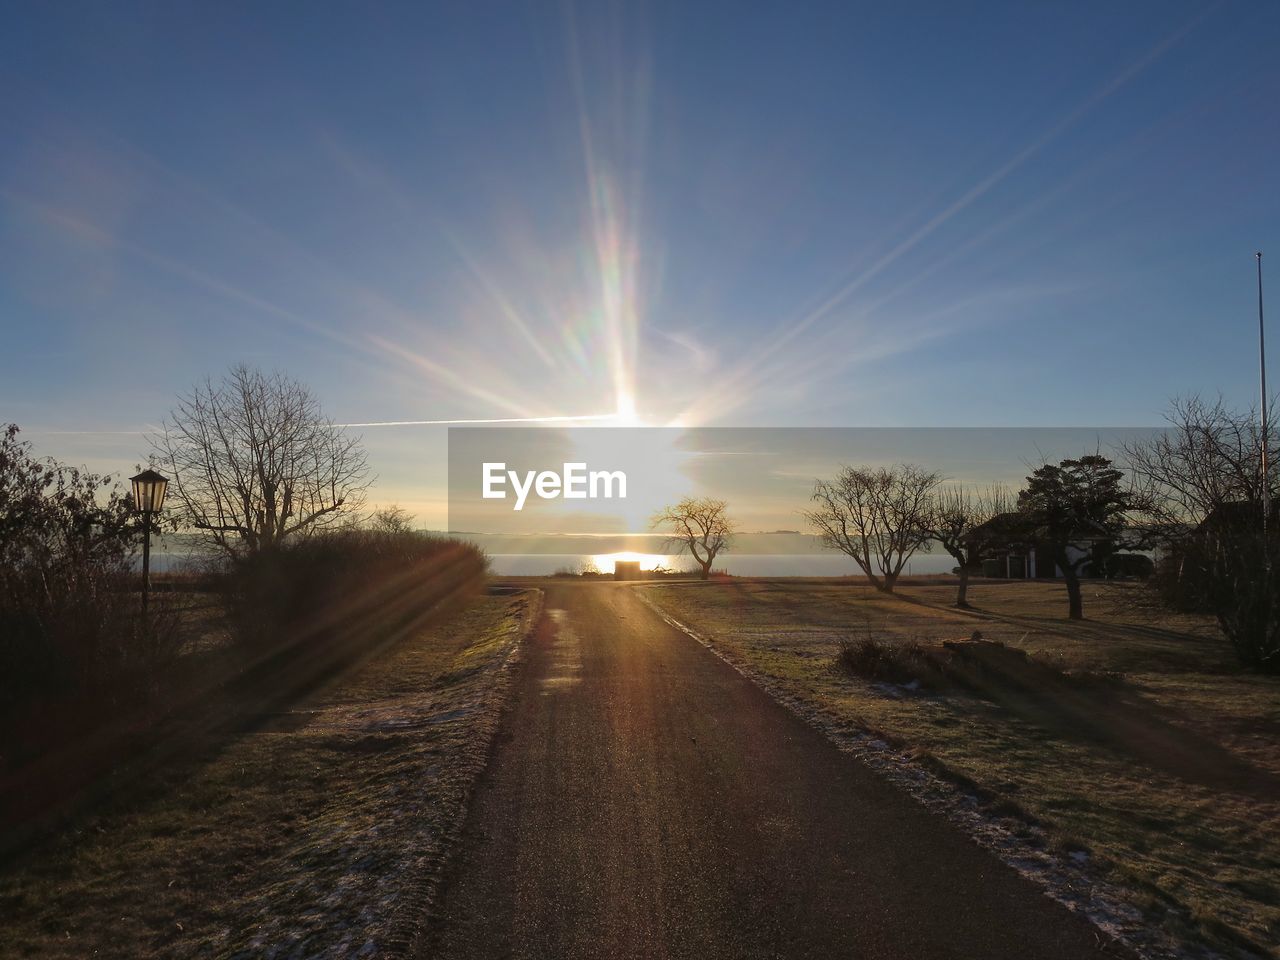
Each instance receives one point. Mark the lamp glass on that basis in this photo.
(149, 488)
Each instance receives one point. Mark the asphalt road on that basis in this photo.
(644, 800)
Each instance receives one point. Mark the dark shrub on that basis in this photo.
(1126, 566)
(74, 643)
(80, 632)
(317, 603)
(1227, 570)
(871, 658)
(1179, 582)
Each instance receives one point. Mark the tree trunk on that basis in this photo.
(886, 585)
(706, 569)
(962, 600)
(1074, 603)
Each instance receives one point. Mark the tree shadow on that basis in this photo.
(1103, 710)
(1129, 645)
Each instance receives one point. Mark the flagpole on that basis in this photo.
(1266, 427)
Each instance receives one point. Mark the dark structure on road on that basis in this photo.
(627, 570)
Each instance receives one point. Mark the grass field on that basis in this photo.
(318, 832)
(1165, 779)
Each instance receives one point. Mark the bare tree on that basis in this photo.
(956, 519)
(391, 519)
(1207, 457)
(879, 516)
(700, 525)
(1200, 483)
(254, 461)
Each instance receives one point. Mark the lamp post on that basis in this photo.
(148, 497)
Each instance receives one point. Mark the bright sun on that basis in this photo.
(626, 415)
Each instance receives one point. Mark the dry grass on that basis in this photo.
(316, 834)
(1154, 753)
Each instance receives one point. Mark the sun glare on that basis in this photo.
(626, 415)
(605, 562)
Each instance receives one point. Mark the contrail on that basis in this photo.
(371, 423)
(439, 423)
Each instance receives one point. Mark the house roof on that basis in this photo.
(1015, 526)
(1002, 526)
(1236, 514)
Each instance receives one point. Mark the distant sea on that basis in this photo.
(743, 565)
(173, 552)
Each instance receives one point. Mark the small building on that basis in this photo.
(1010, 549)
(627, 570)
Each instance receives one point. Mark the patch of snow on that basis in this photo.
(389, 865)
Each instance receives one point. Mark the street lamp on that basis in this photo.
(148, 498)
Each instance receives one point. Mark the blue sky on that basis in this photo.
(755, 215)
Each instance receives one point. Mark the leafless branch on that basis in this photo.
(253, 461)
(878, 516)
(700, 525)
